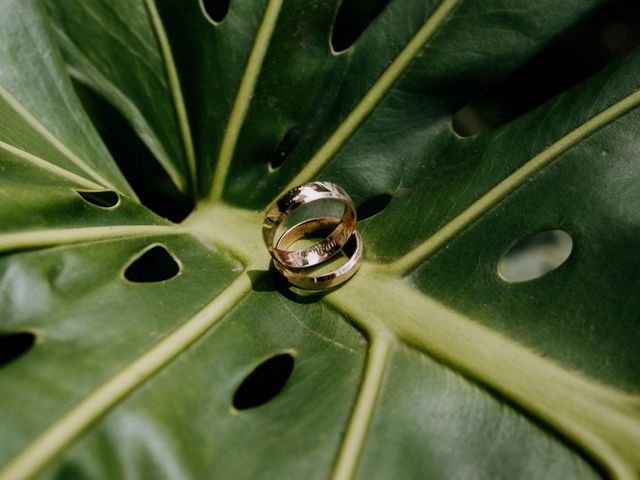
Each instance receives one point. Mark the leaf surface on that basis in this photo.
(427, 363)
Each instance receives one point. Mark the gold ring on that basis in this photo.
(321, 280)
(326, 248)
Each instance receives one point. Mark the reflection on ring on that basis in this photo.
(342, 236)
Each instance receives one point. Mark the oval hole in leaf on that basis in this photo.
(289, 141)
(13, 345)
(101, 198)
(353, 18)
(536, 255)
(264, 382)
(154, 265)
(373, 206)
(216, 10)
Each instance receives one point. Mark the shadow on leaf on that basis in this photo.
(271, 281)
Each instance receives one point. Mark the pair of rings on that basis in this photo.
(342, 236)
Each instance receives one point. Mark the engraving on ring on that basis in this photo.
(292, 263)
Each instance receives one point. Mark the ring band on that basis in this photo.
(322, 280)
(326, 248)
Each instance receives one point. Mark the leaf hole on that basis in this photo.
(592, 44)
(264, 382)
(101, 198)
(535, 256)
(14, 345)
(154, 265)
(136, 162)
(215, 10)
(353, 18)
(373, 206)
(288, 143)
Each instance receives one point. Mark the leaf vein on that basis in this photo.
(243, 98)
(356, 435)
(373, 97)
(46, 238)
(46, 165)
(50, 137)
(405, 264)
(57, 437)
(176, 90)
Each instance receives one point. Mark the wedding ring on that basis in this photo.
(321, 280)
(321, 251)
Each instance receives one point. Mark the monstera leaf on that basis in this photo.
(137, 347)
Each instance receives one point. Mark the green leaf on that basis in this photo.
(427, 363)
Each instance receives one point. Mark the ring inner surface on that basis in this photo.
(312, 229)
(323, 248)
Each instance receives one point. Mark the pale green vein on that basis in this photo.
(371, 99)
(416, 256)
(51, 138)
(176, 90)
(92, 77)
(233, 229)
(349, 455)
(243, 98)
(604, 422)
(48, 166)
(46, 238)
(55, 439)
